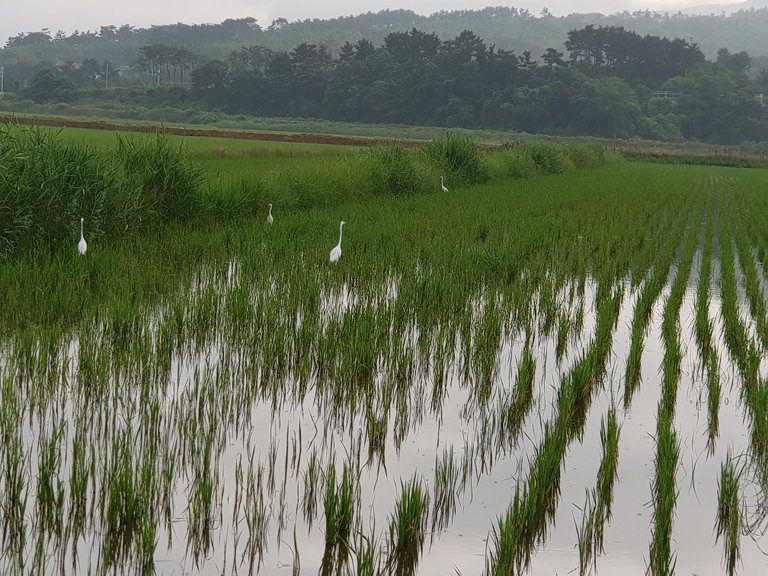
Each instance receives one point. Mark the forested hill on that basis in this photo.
(506, 28)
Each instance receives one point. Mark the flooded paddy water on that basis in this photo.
(313, 422)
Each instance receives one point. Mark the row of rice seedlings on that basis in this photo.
(661, 561)
(534, 505)
(190, 454)
(713, 399)
(641, 316)
(257, 514)
(664, 491)
(515, 407)
(735, 333)
(670, 324)
(49, 501)
(754, 390)
(754, 292)
(703, 331)
(126, 503)
(703, 324)
(585, 535)
(202, 499)
(597, 510)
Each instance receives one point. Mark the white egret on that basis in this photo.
(442, 185)
(269, 216)
(336, 252)
(82, 246)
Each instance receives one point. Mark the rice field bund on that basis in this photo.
(556, 367)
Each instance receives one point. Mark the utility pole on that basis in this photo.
(106, 76)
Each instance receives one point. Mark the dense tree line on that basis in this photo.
(612, 82)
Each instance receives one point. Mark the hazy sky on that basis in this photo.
(34, 15)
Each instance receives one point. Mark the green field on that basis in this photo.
(557, 365)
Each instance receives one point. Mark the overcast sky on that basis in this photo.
(34, 15)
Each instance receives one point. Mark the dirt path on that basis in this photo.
(213, 132)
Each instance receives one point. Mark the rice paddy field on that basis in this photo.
(558, 366)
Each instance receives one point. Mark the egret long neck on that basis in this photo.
(341, 229)
(81, 227)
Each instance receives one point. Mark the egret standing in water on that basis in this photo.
(269, 216)
(442, 185)
(82, 246)
(336, 252)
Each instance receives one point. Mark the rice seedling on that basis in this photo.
(728, 519)
(608, 472)
(339, 507)
(407, 528)
(50, 489)
(713, 400)
(257, 519)
(515, 410)
(367, 555)
(309, 498)
(585, 534)
(445, 491)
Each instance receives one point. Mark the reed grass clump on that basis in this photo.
(393, 171)
(247, 194)
(586, 154)
(47, 184)
(456, 153)
(532, 158)
(548, 158)
(164, 176)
